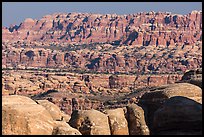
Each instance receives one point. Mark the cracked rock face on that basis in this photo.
(25, 117)
(117, 121)
(62, 128)
(90, 122)
(136, 120)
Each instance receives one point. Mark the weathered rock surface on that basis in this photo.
(117, 121)
(135, 28)
(25, 119)
(136, 120)
(193, 77)
(157, 96)
(17, 100)
(90, 122)
(178, 116)
(37, 82)
(51, 108)
(129, 46)
(174, 115)
(65, 117)
(121, 59)
(62, 128)
(139, 43)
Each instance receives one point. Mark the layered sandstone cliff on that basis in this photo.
(135, 43)
(145, 28)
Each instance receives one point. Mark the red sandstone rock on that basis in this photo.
(89, 27)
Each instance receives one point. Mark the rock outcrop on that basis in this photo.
(145, 28)
(62, 128)
(65, 117)
(84, 63)
(25, 118)
(122, 59)
(117, 121)
(193, 77)
(17, 100)
(90, 122)
(157, 96)
(147, 42)
(38, 82)
(178, 116)
(136, 120)
(51, 108)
